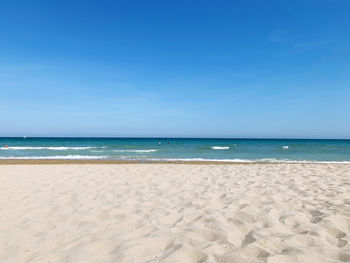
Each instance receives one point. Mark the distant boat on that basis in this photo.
(24, 137)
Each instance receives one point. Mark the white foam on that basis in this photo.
(91, 157)
(220, 147)
(55, 148)
(136, 151)
(57, 157)
(286, 147)
(201, 160)
(267, 160)
(299, 161)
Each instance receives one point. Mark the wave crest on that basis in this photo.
(58, 157)
(220, 147)
(54, 148)
(136, 151)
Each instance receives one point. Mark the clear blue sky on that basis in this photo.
(175, 68)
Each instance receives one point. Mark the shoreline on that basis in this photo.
(105, 161)
(118, 162)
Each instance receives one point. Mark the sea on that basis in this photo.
(177, 149)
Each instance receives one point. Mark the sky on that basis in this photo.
(262, 69)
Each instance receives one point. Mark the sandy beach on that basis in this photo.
(271, 213)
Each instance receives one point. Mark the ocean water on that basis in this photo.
(233, 150)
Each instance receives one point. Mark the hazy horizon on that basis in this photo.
(174, 137)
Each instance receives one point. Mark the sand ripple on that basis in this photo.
(175, 213)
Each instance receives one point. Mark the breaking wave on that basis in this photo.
(57, 157)
(54, 148)
(220, 147)
(136, 151)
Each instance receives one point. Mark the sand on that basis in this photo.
(175, 213)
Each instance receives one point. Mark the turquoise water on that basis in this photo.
(273, 150)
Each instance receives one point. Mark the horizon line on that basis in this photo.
(174, 137)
